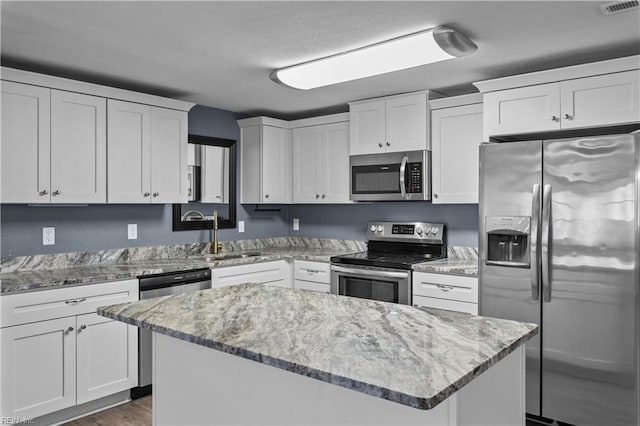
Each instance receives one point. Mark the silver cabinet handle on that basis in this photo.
(146, 194)
(44, 192)
(567, 117)
(324, 196)
(57, 192)
(69, 330)
(545, 248)
(554, 118)
(435, 195)
(155, 194)
(535, 261)
(317, 195)
(218, 197)
(444, 287)
(380, 145)
(266, 195)
(388, 143)
(75, 301)
(83, 327)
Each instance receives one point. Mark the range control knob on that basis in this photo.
(434, 231)
(373, 228)
(419, 230)
(380, 228)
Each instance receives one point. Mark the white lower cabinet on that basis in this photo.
(276, 273)
(443, 291)
(52, 364)
(313, 276)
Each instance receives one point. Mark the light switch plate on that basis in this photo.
(241, 226)
(132, 231)
(48, 236)
(296, 224)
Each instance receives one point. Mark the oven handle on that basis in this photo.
(403, 168)
(370, 272)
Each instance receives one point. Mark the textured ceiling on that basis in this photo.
(220, 54)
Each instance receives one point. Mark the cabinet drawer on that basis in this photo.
(312, 286)
(312, 271)
(449, 305)
(442, 286)
(48, 304)
(270, 273)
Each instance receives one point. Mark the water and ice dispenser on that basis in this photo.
(508, 239)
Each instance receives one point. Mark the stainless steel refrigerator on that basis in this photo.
(559, 246)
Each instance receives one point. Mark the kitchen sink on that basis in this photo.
(226, 256)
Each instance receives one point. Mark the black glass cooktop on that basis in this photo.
(384, 259)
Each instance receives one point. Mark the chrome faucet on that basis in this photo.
(215, 245)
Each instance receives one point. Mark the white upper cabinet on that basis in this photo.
(599, 94)
(214, 174)
(456, 134)
(26, 143)
(321, 164)
(147, 154)
(391, 124)
(265, 161)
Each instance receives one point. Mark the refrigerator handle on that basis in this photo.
(545, 247)
(535, 263)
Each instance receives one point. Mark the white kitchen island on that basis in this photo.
(251, 354)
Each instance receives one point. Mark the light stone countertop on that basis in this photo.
(413, 356)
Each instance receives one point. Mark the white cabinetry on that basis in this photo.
(599, 94)
(321, 163)
(57, 353)
(456, 134)
(265, 161)
(276, 273)
(442, 291)
(313, 276)
(53, 146)
(147, 154)
(391, 124)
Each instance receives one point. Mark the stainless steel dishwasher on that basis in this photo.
(155, 286)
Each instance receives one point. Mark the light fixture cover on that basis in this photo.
(424, 47)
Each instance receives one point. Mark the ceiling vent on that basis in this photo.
(619, 7)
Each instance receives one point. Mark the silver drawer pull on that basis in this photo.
(444, 287)
(75, 301)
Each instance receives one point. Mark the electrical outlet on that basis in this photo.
(132, 231)
(296, 224)
(48, 236)
(241, 226)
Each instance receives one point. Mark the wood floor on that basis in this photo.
(133, 413)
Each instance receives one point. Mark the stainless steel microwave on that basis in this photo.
(396, 176)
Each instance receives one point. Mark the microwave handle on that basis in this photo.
(403, 167)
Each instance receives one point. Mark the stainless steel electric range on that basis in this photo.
(384, 271)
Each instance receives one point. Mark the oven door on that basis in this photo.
(385, 285)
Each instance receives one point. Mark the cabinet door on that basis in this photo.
(449, 305)
(38, 368)
(367, 127)
(334, 164)
(276, 165)
(307, 150)
(78, 148)
(214, 171)
(128, 142)
(107, 357)
(26, 142)
(406, 123)
(168, 156)
(602, 100)
(276, 273)
(522, 110)
(456, 134)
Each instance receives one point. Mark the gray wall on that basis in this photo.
(349, 221)
(97, 227)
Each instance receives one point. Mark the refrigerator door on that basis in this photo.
(510, 175)
(590, 327)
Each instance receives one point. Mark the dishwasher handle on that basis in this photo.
(173, 279)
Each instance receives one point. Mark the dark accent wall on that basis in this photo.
(97, 227)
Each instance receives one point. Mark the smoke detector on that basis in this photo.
(619, 7)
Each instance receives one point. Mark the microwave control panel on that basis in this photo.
(414, 180)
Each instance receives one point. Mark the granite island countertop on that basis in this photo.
(414, 356)
(460, 261)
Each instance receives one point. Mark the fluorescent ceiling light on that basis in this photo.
(424, 47)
